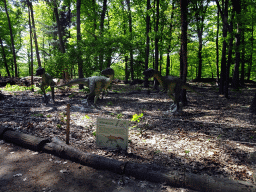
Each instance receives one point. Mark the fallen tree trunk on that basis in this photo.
(60, 149)
(150, 172)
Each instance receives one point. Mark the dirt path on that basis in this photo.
(24, 170)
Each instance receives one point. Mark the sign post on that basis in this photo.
(112, 133)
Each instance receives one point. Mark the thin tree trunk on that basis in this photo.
(31, 49)
(146, 84)
(251, 57)
(62, 47)
(224, 16)
(34, 30)
(217, 47)
(102, 18)
(80, 61)
(156, 44)
(242, 60)
(230, 49)
(200, 11)
(183, 64)
(237, 8)
(131, 37)
(4, 58)
(12, 40)
(170, 40)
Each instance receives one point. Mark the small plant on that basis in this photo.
(62, 118)
(9, 87)
(110, 103)
(137, 117)
(59, 126)
(72, 95)
(37, 115)
(115, 91)
(94, 133)
(86, 117)
(49, 116)
(119, 116)
(187, 151)
(46, 90)
(157, 151)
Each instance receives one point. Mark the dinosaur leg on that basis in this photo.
(171, 89)
(98, 89)
(45, 100)
(52, 88)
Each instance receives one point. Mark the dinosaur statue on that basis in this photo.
(173, 85)
(95, 83)
(47, 80)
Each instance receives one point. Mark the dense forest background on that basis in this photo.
(192, 39)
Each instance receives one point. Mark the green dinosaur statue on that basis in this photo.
(47, 80)
(95, 83)
(173, 85)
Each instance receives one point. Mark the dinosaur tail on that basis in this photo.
(84, 81)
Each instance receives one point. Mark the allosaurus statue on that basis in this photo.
(173, 85)
(47, 80)
(96, 84)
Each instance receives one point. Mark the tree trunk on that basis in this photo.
(242, 60)
(156, 83)
(34, 30)
(200, 11)
(217, 47)
(224, 16)
(31, 48)
(170, 40)
(237, 8)
(183, 64)
(62, 47)
(102, 18)
(253, 105)
(80, 61)
(12, 40)
(131, 37)
(251, 56)
(146, 84)
(4, 58)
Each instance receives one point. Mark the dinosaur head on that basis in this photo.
(108, 72)
(39, 71)
(149, 73)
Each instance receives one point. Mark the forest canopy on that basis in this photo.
(79, 38)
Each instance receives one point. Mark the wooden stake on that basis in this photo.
(68, 122)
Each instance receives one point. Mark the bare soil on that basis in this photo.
(213, 135)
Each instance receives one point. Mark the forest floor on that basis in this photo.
(213, 135)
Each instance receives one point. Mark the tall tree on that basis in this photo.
(78, 23)
(34, 31)
(12, 39)
(131, 38)
(183, 51)
(237, 8)
(102, 19)
(200, 8)
(224, 15)
(4, 58)
(156, 42)
(217, 46)
(147, 40)
(31, 47)
(169, 41)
